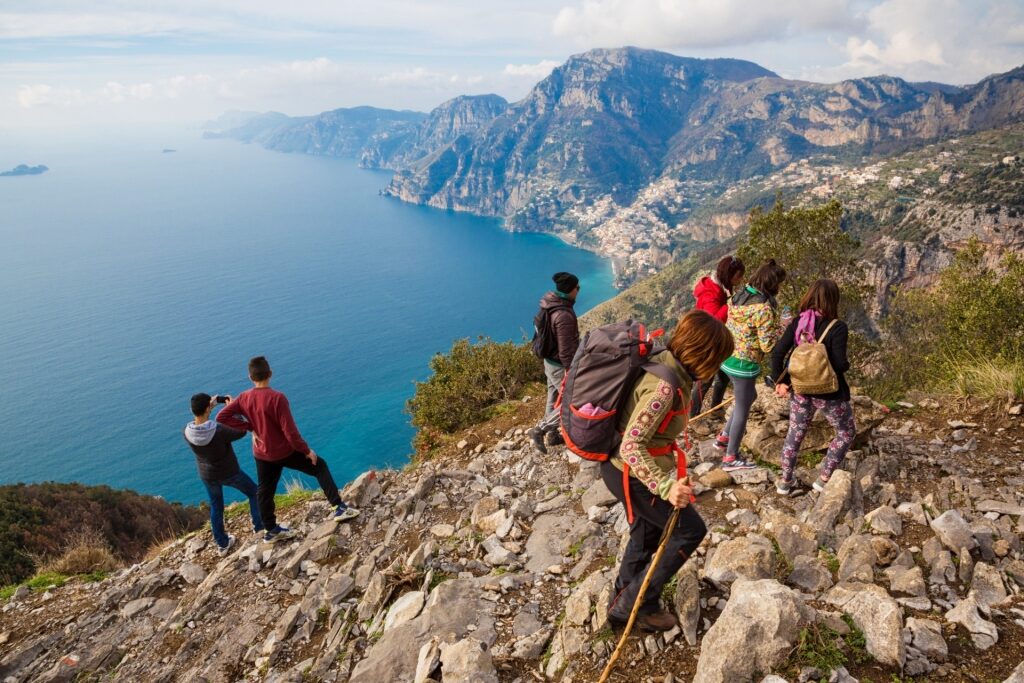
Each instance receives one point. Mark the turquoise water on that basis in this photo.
(131, 279)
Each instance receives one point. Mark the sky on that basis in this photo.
(87, 62)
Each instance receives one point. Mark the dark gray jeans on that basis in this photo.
(650, 515)
(745, 391)
(554, 374)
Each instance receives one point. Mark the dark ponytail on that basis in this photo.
(727, 269)
(768, 277)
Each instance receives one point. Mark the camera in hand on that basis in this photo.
(222, 399)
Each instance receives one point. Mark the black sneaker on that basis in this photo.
(278, 533)
(537, 437)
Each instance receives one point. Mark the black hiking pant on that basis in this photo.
(650, 515)
(269, 474)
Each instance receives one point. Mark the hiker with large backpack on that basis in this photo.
(817, 377)
(625, 401)
(555, 340)
(712, 293)
(754, 321)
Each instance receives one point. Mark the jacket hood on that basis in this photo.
(748, 296)
(200, 435)
(711, 286)
(552, 300)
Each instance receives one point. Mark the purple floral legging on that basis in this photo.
(801, 411)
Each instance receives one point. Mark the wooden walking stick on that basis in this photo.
(665, 535)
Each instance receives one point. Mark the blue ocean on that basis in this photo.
(131, 278)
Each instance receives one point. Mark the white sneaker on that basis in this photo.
(819, 485)
(344, 514)
(224, 550)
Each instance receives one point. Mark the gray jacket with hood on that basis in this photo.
(215, 456)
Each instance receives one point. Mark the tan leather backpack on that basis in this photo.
(810, 373)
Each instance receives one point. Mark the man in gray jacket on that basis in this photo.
(560, 337)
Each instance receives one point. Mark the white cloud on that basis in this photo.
(536, 71)
(953, 41)
(683, 24)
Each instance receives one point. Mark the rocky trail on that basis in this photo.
(492, 563)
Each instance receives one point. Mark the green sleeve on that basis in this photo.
(651, 410)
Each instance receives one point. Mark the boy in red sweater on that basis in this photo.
(277, 444)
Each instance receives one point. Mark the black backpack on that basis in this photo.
(597, 385)
(544, 344)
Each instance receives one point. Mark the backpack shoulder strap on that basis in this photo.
(823, 334)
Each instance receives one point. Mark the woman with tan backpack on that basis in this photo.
(817, 375)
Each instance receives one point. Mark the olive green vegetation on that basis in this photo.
(467, 384)
(40, 523)
(963, 335)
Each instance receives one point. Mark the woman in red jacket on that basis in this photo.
(712, 293)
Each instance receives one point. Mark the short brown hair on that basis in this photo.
(823, 297)
(259, 369)
(768, 277)
(701, 343)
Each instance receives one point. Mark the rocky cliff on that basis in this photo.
(340, 133)
(491, 563)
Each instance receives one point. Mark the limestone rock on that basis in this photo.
(885, 520)
(428, 661)
(1017, 675)
(987, 586)
(794, 537)
(748, 557)
(468, 661)
(531, 646)
(876, 614)
(953, 531)
(762, 619)
(857, 559)
(192, 573)
(716, 479)
(832, 502)
(925, 646)
(752, 477)
(687, 601)
(598, 494)
(810, 574)
(452, 608)
(983, 633)
(404, 609)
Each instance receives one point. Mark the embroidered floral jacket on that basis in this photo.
(649, 404)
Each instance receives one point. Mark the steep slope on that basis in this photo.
(444, 125)
(495, 564)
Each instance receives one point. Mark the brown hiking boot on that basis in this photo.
(659, 621)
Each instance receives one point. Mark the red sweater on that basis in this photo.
(265, 412)
(712, 297)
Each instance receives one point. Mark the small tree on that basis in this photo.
(810, 244)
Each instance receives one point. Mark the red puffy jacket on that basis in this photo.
(712, 297)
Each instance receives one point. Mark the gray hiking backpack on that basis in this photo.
(596, 386)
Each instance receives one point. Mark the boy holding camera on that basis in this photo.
(218, 466)
(277, 444)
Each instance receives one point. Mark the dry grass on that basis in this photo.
(993, 378)
(85, 553)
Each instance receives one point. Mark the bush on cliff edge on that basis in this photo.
(467, 382)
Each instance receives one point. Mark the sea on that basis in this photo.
(132, 276)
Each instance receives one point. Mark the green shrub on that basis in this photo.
(963, 335)
(469, 381)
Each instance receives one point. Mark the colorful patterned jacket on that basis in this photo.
(650, 404)
(754, 323)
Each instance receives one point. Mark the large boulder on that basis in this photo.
(876, 614)
(452, 608)
(762, 620)
(748, 557)
(769, 422)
